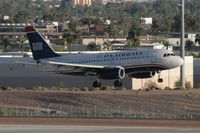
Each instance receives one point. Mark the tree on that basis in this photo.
(177, 26)
(162, 24)
(107, 45)
(21, 41)
(197, 38)
(89, 21)
(165, 13)
(167, 44)
(22, 16)
(133, 37)
(77, 37)
(67, 37)
(114, 31)
(92, 46)
(135, 31)
(189, 44)
(133, 43)
(65, 3)
(5, 41)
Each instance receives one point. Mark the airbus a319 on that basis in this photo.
(106, 65)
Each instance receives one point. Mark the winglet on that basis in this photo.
(29, 29)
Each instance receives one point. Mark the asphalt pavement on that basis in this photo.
(91, 129)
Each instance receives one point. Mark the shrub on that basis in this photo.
(197, 85)
(150, 85)
(103, 88)
(61, 85)
(4, 88)
(74, 89)
(84, 89)
(168, 88)
(177, 85)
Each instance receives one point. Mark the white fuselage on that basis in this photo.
(127, 59)
(113, 65)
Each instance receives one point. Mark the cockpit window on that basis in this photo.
(168, 54)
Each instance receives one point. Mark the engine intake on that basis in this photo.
(112, 73)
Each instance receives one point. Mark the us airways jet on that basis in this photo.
(112, 65)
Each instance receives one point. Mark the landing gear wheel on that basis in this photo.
(96, 84)
(118, 83)
(160, 80)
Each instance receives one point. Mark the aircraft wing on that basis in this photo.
(81, 69)
(69, 68)
(77, 65)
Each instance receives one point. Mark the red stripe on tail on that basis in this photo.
(29, 29)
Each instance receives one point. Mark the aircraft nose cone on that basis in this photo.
(174, 62)
(179, 61)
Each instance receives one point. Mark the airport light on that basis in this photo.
(182, 49)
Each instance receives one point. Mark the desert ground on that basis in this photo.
(185, 103)
(168, 102)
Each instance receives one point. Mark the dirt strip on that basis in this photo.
(99, 122)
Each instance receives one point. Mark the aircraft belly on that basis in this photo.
(143, 69)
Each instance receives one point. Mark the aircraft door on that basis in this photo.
(154, 58)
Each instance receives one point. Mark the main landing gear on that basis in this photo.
(117, 83)
(160, 80)
(96, 84)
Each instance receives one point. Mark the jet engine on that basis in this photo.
(142, 75)
(112, 73)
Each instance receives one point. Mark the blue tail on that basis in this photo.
(39, 46)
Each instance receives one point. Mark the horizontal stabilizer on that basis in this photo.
(27, 63)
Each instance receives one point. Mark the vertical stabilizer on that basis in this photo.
(39, 46)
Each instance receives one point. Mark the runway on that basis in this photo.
(91, 129)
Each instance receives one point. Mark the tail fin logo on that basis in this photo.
(37, 46)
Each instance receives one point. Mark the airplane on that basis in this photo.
(105, 65)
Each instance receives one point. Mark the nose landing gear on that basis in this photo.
(118, 83)
(160, 80)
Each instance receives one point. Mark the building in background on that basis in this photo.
(83, 2)
(147, 21)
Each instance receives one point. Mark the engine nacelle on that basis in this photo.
(112, 73)
(143, 75)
